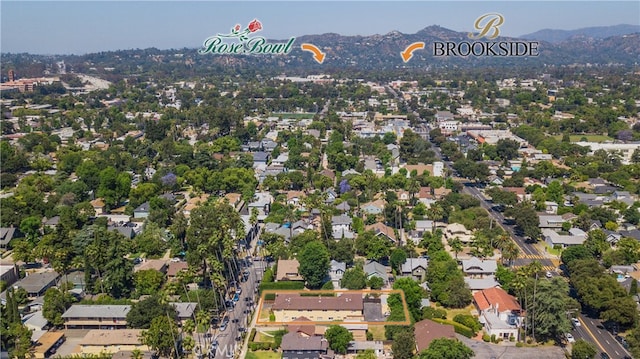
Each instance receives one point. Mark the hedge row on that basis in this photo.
(457, 327)
(286, 285)
(253, 346)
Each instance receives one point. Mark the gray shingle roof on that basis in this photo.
(97, 311)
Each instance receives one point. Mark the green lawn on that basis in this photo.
(377, 331)
(453, 312)
(263, 354)
(590, 138)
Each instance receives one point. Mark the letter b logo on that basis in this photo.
(487, 26)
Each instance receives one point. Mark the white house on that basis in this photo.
(500, 313)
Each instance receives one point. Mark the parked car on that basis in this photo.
(570, 338)
(604, 355)
(576, 322)
(549, 274)
(223, 327)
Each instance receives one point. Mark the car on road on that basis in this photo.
(570, 338)
(548, 274)
(576, 322)
(223, 327)
(236, 297)
(214, 346)
(238, 338)
(239, 291)
(230, 353)
(242, 330)
(235, 320)
(604, 355)
(622, 341)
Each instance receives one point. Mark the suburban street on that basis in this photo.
(592, 330)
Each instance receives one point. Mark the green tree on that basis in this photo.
(404, 344)
(338, 338)
(582, 349)
(161, 336)
(148, 281)
(445, 348)
(548, 311)
(620, 310)
(375, 282)
(526, 219)
(354, 279)
(55, 304)
(575, 253)
(314, 264)
(144, 311)
(152, 240)
(397, 258)
(413, 294)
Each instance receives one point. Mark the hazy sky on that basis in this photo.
(78, 27)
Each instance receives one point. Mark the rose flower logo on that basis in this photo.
(254, 26)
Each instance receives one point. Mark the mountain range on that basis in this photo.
(589, 46)
(596, 32)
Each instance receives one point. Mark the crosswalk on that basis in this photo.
(544, 268)
(531, 256)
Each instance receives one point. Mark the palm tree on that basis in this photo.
(413, 188)
(435, 212)
(456, 245)
(510, 252)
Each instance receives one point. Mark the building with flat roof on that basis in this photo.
(47, 342)
(112, 341)
(81, 316)
(289, 306)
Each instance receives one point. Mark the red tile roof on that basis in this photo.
(496, 297)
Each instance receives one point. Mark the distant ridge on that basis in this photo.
(596, 32)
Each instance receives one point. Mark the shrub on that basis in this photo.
(469, 321)
(512, 338)
(270, 296)
(272, 317)
(493, 338)
(430, 313)
(252, 335)
(519, 345)
(486, 338)
(286, 285)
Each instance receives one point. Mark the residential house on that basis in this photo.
(142, 211)
(336, 271)
(519, 191)
(575, 237)
(478, 268)
(552, 222)
(294, 198)
(381, 229)
(37, 283)
(98, 206)
(81, 316)
(486, 282)
(184, 310)
(302, 325)
(159, 265)
(415, 267)
(9, 274)
(458, 230)
(102, 341)
(299, 346)
(375, 269)
(7, 234)
(281, 159)
(341, 226)
(373, 208)
(126, 229)
(550, 207)
(343, 207)
(425, 331)
(331, 196)
(51, 222)
(175, 268)
(287, 269)
(289, 306)
(193, 203)
(260, 159)
(500, 313)
(262, 203)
